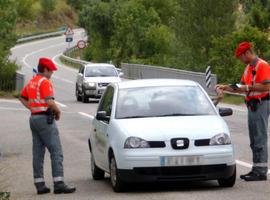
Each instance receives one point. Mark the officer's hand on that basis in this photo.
(57, 116)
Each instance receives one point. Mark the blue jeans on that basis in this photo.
(258, 125)
(46, 136)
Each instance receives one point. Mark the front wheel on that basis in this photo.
(229, 182)
(85, 99)
(97, 173)
(116, 182)
(78, 97)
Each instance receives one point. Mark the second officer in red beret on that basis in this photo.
(255, 84)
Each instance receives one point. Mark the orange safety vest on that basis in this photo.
(36, 101)
(253, 75)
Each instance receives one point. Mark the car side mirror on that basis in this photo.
(225, 111)
(121, 74)
(102, 116)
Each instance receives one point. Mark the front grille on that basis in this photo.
(179, 171)
(202, 142)
(157, 144)
(103, 84)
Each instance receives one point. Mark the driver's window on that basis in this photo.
(107, 100)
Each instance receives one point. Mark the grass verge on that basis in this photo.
(9, 95)
(233, 99)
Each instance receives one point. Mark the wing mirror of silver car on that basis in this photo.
(121, 74)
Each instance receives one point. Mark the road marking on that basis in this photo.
(247, 165)
(9, 101)
(34, 52)
(16, 109)
(60, 64)
(86, 115)
(60, 104)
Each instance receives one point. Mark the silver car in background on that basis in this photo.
(92, 80)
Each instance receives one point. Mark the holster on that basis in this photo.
(50, 116)
(253, 104)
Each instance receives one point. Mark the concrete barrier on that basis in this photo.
(137, 71)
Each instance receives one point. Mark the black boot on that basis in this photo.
(256, 177)
(60, 187)
(42, 188)
(244, 175)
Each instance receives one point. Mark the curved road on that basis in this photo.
(74, 129)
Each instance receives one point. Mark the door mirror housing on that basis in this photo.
(225, 111)
(121, 74)
(102, 116)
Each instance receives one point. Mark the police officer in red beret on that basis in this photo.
(38, 97)
(255, 84)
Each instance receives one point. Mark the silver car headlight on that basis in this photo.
(135, 143)
(220, 139)
(89, 85)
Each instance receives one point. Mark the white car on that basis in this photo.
(160, 130)
(92, 80)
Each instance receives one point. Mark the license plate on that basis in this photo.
(180, 160)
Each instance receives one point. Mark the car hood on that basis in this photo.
(103, 79)
(166, 128)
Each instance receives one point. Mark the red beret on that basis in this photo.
(48, 63)
(242, 48)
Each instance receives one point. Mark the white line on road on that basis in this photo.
(9, 101)
(34, 52)
(60, 104)
(15, 109)
(86, 115)
(247, 165)
(60, 64)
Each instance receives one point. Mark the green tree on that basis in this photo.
(25, 10)
(47, 6)
(198, 22)
(8, 17)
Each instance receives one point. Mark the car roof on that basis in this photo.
(99, 65)
(155, 83)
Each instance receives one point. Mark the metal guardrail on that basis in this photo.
(137, 71)
(66, 57)
(41, 36)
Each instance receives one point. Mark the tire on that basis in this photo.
(229, 182)
(97, 173)
(85, 99)
(116, 182)
(78, 97)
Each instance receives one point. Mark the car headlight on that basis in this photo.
(89, 84)
(220, 139)
(135, 142)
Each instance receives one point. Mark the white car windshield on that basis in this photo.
(162, 102)
(100, 71)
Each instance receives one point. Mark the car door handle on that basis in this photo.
(95, 130)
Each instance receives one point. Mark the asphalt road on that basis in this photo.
(74, 126)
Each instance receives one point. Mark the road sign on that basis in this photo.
(69, 39)
(81, 44)
(208, 74)
(69, 32)
(69, 35)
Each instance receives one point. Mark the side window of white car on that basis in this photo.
(107, 100)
